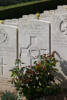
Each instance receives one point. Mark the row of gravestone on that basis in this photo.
(36, 37)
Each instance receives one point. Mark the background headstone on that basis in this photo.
(7, 49)
(59, 42)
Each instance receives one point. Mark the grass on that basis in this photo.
(2, 8)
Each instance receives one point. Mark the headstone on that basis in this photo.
(11, 22)
(59, 7)
(46, 14)
(7, 49)
(64, 7)
(61, 10)
(25, 16)
(30, 16)
(59, 41)
(34, 40)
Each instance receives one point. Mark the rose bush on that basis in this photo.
(39, 80)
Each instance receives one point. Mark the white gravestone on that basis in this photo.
(34, 40)
(11, 22)
(46, 14)
(59, 41)
(7, 49)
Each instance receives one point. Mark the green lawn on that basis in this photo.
(22, 4)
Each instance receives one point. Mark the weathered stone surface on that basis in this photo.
(46, 14)
(7, 49)
(33, 35)
(59, 42)
(34, 38)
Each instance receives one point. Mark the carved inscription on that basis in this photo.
(3, 35)
(63, 24)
